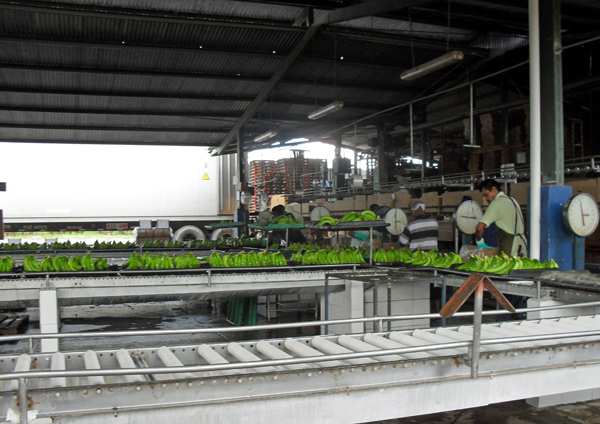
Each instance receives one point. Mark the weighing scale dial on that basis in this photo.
(397, 220)
(318, 212)
(467, 215)
(581, 214)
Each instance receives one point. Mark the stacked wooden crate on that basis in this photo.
(261, 177)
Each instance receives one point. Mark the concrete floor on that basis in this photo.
(160, 316)
(517, 412)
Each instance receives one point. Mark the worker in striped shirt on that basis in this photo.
(422, 232)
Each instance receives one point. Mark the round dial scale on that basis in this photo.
(467, 216)
(264, 216)
(397, 220)
(318, 212)
(581, 214)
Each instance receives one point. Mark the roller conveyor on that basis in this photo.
(213, 373)
(255, 352)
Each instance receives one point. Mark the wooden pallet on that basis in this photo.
(13, 324)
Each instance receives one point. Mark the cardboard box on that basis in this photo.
(401, 199)
(380, 199)
(340, 240)
(452, 199)
(360, 203)
(589, 186)
(519, 192)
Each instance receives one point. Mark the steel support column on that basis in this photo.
(552, 130)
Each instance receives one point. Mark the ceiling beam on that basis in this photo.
(191, 51)
(203, 76)
(146, 15)
(368, 8)
(109, 128)
(104, 142)
(406, 41)
(195, 115)
(178, 96)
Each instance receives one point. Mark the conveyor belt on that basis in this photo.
(296, 370)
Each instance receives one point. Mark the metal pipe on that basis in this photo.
(410, 117)
(5, 339)
(375, 302)
(23, 400)
(326, 303)
(389, 304)
(471, 108)
(535, 128)
(477, 320)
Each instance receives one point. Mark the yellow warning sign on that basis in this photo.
(206, 177)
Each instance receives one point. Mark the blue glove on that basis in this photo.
(481, 244)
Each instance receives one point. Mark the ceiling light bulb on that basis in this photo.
(265, 136)
(326, 110)
(432, 66)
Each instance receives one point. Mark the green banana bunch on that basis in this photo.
(135, 261)
(351, 217)
(46, 264)
(7, 264)
(445, 261)
(504, 264)
(368, 215)
(380, 255)
(278, 259)
(30, 264)
(215, 260)
(327, 220)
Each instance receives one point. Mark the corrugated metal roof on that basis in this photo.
(73, 69)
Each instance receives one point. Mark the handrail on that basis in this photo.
(17, 337)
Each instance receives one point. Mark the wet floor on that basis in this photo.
(517, 412)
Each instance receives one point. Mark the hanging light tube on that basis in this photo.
(432, 66)
(326, 110)
(265, 136)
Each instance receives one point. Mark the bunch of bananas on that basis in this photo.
(503, 264)
(64, 263)
(329, 257)
(63, 245)
(7, 264)
(163, 261)
(285, 219)
(327, 220)
(245, 260)
(445, 261)
(366, 215)
(114, 245)
(21, 246)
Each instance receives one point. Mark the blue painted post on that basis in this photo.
(578, 252)
(557, 242)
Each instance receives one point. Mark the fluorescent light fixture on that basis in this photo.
(265, 136)
(296, 140)
(326, 110)
(277, 143)
(432, 65)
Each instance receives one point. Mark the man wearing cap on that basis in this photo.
(422, 232)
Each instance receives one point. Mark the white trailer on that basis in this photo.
(62, 187)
